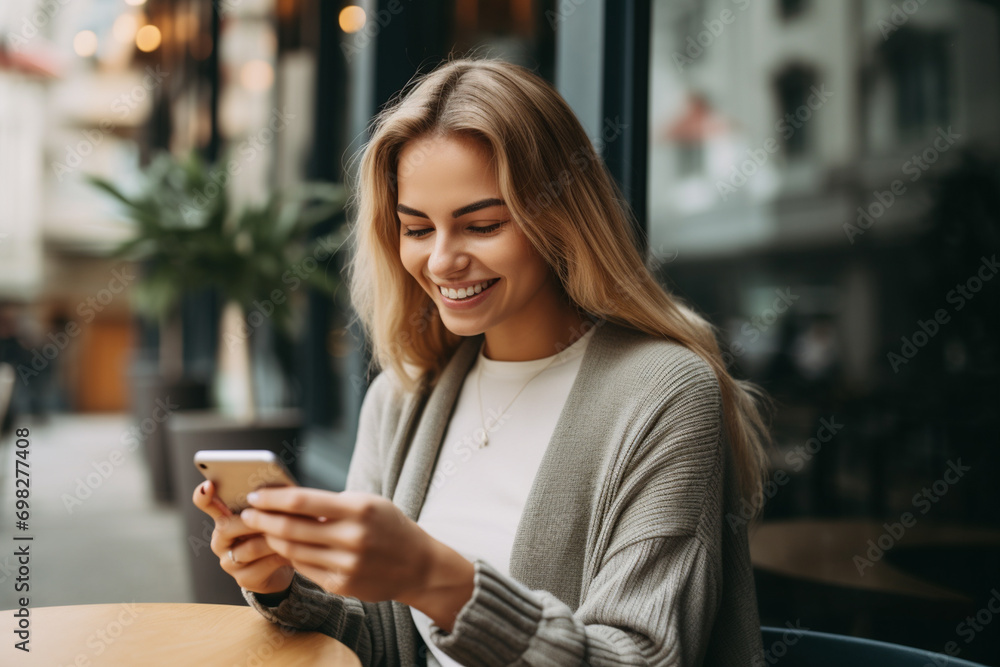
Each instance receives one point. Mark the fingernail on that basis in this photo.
(253, 497)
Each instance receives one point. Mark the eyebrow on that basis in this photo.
(458, 212)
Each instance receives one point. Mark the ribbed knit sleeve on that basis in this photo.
(654, 585)
(310, 607)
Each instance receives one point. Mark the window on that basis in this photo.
(790, 9)
(918, 67)
(793, 87)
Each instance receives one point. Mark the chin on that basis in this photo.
(462, 329)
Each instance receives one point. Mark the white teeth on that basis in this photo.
(465, 291)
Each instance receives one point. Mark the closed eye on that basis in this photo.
(418, 233)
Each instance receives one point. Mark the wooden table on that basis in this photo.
(155, 635)
(825, 551)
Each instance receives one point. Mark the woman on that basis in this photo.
(544, 465)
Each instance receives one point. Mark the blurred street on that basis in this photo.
(138, 557)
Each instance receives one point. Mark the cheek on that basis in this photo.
(410, 260)
(520, 260)
(515, 255)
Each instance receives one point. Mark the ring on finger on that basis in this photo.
(233, 558)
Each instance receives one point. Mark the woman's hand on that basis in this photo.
(361, 545)
(243, 553)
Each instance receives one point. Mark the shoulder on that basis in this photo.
(661, 369)
(384, 392)
(667, 407)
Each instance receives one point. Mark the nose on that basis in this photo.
(448, 255)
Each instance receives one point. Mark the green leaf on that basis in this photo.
(189, 240)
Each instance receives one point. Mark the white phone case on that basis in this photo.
(237, 472)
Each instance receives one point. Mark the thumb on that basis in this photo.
(206, 500)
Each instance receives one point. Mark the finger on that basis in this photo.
(251, 549)
(240, 570)
(230, 531)
(259, 570)
(209, 503)
(308, 502)
(205, 500)
(287, 526)
(221, 506)
(322, 557)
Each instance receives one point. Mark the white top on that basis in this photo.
(476, 496)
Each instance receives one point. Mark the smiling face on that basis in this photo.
(455, 231)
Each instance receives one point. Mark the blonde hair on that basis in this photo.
(538, 147)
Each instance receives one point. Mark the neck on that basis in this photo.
(550, 337)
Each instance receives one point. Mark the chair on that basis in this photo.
(789, 647)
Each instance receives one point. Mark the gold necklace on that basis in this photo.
(485, 439)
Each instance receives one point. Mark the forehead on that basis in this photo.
(452, 167)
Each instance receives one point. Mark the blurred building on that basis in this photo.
(798, 147)
(824, 185)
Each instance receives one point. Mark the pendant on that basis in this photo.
(484, 440)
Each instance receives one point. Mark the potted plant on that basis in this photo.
(160, 240)
(259, 260)
(187, 238)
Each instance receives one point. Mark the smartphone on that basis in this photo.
(237, 472)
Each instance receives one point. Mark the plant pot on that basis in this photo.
(154, 399)
(189, 432)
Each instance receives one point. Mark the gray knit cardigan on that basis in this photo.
(622, 555)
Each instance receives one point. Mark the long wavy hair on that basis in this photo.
(553, 182)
